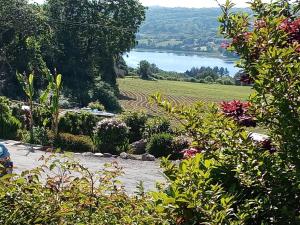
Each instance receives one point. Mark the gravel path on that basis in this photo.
(134, 171)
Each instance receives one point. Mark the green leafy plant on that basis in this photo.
(268, 46)
(136, 121)
(81, 123)
(51, 194)
(160, 145)
(27, 84)
(248, 178)
(74, 143)
(157, 125)
(9, 125)
(96, 105)
(54, 88)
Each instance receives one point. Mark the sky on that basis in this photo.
(183, 3)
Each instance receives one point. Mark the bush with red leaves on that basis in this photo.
(239, 111)
(292, 28)
(190, 152)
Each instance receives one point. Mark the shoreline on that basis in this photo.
(205, 54)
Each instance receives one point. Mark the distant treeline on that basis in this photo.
(216, 74)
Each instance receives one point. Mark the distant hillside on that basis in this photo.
(181, 29)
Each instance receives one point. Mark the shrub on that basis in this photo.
(270, 60)
(105, 94)
(136, 121)
(157, 125)
(111, 136)
(9, 125)
(232, 180)
(72, 196)
(160, 145)
(74, 143)
(81, 123)
(40, 136)
(208, 79)
(96, 105)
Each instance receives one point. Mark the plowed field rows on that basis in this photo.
(135, 93)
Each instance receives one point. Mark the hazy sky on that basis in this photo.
(183, 3)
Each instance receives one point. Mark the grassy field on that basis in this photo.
(135, 92)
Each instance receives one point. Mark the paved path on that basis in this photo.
(135, 171)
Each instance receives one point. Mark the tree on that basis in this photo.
(90, 36)
(22, 30)
(144, 69)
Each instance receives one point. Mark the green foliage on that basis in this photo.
(104, 93)
(28, 88)
(9, 125)
(82, 57)
(111, 136)
(160, 145)
(232, 180)
(136, 121)
(96, 106)
(54, 90)
(226, 81)
(269, 53)
(157, 125)
(73, 143)
(78, 123)
(64, 199)
(40, 136)
(144, 70)
(35, 37)
(23, 29)
(179, 144)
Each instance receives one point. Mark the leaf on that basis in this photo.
(58, 80)
(31, 77)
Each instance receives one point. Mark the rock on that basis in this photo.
(115, 156)
(259, 137)
(139, 147)
(148, 157)
(87, 154)
(132, 157)
(98, 154)
(107, 155)
(124, 155)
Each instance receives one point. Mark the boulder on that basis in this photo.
(148, 157)
(132, 157)
(124, 155)
(107, 155)
(98, 154)
(139, 147)
(87, 154)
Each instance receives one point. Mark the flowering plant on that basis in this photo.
(111, 135)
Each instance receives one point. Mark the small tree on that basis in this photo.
(145, 70)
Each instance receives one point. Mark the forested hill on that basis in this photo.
(187, 29)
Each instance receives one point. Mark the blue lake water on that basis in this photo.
(178, 62)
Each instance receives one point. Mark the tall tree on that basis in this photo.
(21, 31)
(90, 35)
